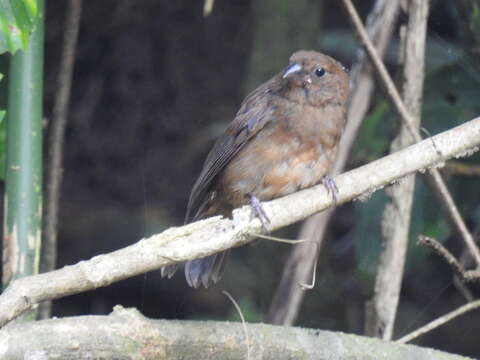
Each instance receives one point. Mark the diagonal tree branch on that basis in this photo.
(473, 305)
(457, 267)
(216, 234)
(434, 179)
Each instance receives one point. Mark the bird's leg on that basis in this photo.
(259, 211)
(332, 188)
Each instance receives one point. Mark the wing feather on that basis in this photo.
(252, 116)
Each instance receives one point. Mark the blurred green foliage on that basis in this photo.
(468, 18)
(17, 19)
(250, 312)
(451, 97)
(343, 42)
(297, 23)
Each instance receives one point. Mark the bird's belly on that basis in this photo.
(270, 168)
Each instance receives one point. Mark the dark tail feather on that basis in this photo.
(206, 271)
(170, 270)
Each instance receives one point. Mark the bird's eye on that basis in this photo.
(320, 72)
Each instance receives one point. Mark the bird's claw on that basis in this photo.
(331, 187)
(259, 211)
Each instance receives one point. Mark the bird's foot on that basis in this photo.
(331, 187)
(259, 211)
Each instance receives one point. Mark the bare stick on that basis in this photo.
(302, 285)
(56, 139)
(244, 325)
(447, 203)
(217, 234)
(435, 181)
(461, 273)
(440, 321)
(440, 250)
(463, 289)
(382, 309)
(288, 297)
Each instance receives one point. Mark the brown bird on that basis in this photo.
(284, 138)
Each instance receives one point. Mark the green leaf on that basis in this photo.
(17, 20)
(250, 311)
(450, 98)
(374, 140)
(366, 233)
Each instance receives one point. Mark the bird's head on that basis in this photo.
(315, 78)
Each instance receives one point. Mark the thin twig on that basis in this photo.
(439, 321)
(392, 91)
(440, 250)
(56, 140)
(302, 285)
(446, 201)
(244, 325)
(461, 273)
(435, 181)
(281, 240)
(311, 285)
(463, 289)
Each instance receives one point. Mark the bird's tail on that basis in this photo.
(169, 271)
(205, 271)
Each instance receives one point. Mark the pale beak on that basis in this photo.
(292, 68)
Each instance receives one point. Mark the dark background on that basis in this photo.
(155, 82)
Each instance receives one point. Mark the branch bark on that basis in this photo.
(216, 234)
(382, 309)
(127, 334)
(288, 297)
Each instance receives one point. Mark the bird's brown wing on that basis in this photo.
(255, 111)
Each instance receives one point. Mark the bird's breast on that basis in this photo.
(282, 158)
